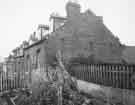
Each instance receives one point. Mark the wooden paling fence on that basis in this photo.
(17, 77)
(114, 75)
(12, 78)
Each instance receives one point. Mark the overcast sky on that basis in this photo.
(20, 18)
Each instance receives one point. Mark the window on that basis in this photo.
(28, 63)
(38, 58)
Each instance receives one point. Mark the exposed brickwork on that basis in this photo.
(84, 34)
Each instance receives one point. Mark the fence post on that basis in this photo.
(94, 79)
(116, 76)
(12, 78)
(13, 74)
(81, 75)
(83, 72)
(127, 75)
(120, 76)
(95, 73)
(124, 81)
(88, 73)
(97, 76)
(107, 77)
(5, 78)
(113, 76)
(0, 81)
(131, 74)
(110, 79)
(80, 72)
(104, 74)
(89, 69)
(18, 76)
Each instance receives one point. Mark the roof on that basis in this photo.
(59, 17)
(20, 56)
(34, 44)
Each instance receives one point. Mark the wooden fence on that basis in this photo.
(114, 75)
(13, 77)
(18, 77)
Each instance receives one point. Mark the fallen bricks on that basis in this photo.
(62, 91)
(47, 95)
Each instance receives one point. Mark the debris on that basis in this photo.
(56, 88)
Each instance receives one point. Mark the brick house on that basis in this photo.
(78, 35)
(85, 35)
(34, 55)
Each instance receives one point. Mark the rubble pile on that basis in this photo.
(56, 88)
(47, 93)
(59, 88)
(49, 96)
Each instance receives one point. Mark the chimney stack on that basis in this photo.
(73, 9)
(42, 28)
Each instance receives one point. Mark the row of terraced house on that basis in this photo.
(83, 39)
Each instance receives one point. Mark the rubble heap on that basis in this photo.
(58, 89)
